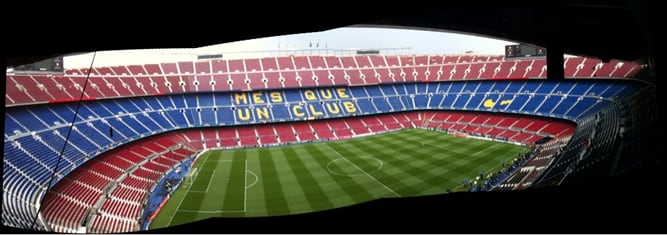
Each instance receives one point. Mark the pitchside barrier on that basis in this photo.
(163, 189)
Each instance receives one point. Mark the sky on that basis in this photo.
(340, 40)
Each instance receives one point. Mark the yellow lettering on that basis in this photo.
(326, 94)
(310, 95)
(333, 108)
(296, 110)
(276, 97)
(488, 103)
(313, 111)
(342, 93)
(245, 117)
(257, 98)
(262, 113)
(240, 96)
(349, 107)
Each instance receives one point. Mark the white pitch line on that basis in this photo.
(179, 206)
(210, 180)
(483, 150)
(198, 211)
(449, 150)
(211, 212)
(182, 199)
(186, 194)
(381, 164)
(370, 176)
(345, 174)
(245, 189)
(256, 179)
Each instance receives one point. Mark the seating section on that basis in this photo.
(289, 72)
(121, 206)
(515, 128)
(227, 137)
(120, 180)
(530, 172)
(596, 146)
(603, 138)
(94, 163)
(35, 135)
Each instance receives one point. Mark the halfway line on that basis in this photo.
(370, 176)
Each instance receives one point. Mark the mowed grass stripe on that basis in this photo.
(472, 165)
(217, 185)
(315, 196)
(168, 213)
(436, 138)
(374, 185)
(398, 170)
(440, 145)
(410, 155)
(296, 178)
(205, 170)
(497, 156)
(354, 190)
(192, 201)
(481, 163)
(330, 186)
(420, 163)
(276, 204)
(294, 195)
(358, 149)
(455, 166)
(418, 166)
(234, 197)
(195, 198)
(255, 201)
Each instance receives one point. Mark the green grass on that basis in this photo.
(319, 176)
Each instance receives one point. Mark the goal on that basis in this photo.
(190, 177)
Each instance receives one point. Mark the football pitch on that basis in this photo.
(303, 178)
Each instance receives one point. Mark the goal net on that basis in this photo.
(190, 177)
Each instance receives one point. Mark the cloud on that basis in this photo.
(410, 40)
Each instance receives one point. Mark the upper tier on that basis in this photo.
(288, 72)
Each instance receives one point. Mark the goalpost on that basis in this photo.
(190, 177)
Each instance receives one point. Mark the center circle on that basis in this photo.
(354, 166)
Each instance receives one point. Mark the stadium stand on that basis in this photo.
(295, 71)
(161, 114)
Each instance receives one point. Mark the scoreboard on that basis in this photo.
(54, 64)
(522, 50)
